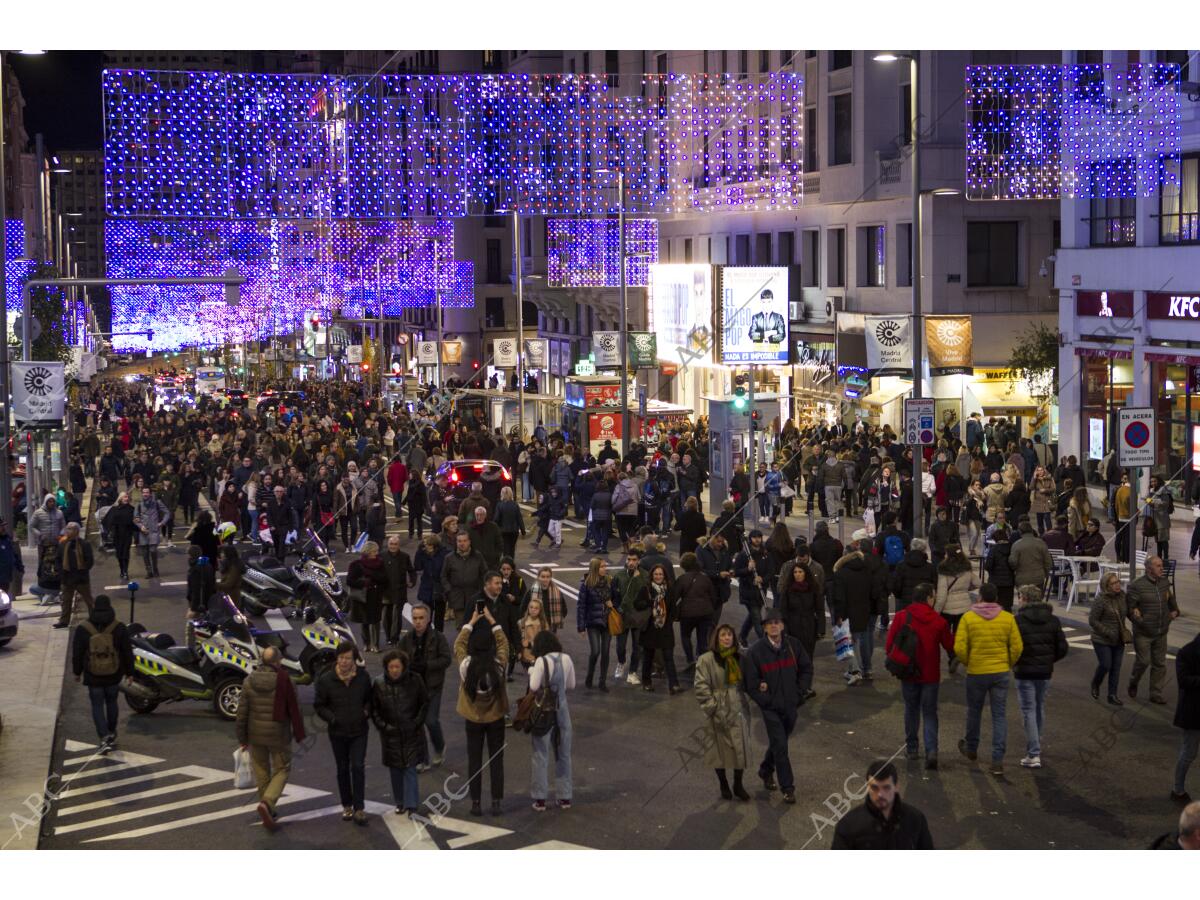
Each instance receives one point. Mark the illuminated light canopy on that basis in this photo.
(16, 268)
(585, 252)
(243, 146)
(292, 268)
(1086, 131)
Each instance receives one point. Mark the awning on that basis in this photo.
(1183, 358)
(1002, 395)
(1104, 352)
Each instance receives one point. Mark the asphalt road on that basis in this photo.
(640, 782)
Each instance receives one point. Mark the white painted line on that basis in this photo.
(76, 746)
(291, 794)
(154, 810)
(204, 778)
(277, 620)
(126, 759)
(555, 845)
(122, 782)
(373, 807)
(172, 583)
(115, 587)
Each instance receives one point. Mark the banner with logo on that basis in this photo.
(39, 393)
(452, 352)
(537, 353)
(603, 426)
(427, 353)
(606, 345)
(505, 353)
(948, 341)
(889, 345)
(754, 315)
(643, 349)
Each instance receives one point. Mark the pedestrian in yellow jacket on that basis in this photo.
(989, 644)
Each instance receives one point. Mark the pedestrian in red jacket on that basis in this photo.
(397, 478)
(920, 692)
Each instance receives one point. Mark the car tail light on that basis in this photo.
(505, 473)
(454, 474)
(478, 467)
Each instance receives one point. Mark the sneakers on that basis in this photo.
(620, 673)
(912, 754)
(539, 805)
(564, 804)
(997, 767)
(360, 817)
(268, 817)
(108, 744)
(789, 795)
(632, 678)
(969, 754)
(437, 759)
(1031, 762)
(853, 678)
(348, 813)
(769, 782)
(422, 768)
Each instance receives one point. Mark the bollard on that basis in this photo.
(133, 589)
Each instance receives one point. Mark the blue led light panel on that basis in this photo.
(585, 252)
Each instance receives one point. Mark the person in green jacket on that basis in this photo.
(988, 643)
(627, 585)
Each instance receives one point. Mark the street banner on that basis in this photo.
(643, 350)
(948, 341)
(354, 354)
(504, 353)
(889, 345)
(452, 353)
(754, 315)
(606, 345)
(537, 353)
(603, 427)
(39, 393)
(427, 354)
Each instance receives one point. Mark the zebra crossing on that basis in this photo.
(1083, 641)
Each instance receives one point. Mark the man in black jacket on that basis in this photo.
(1187, 716)
(343, 702)
(717, 562)
(752, 566)
(101, 656)
(1044, 645)
(428, 656)
(825, 548)
(777, 674)
(915, 569)
(279, 519)
(883, 822)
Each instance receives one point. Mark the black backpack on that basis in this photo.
(901, 659)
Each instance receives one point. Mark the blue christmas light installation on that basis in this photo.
(586, 252)
(1044, 132)
(213, 145)
(17, 269)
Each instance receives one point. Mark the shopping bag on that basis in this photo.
(843, 642)
(243, 775)
(869, 521)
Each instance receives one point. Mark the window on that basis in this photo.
(764, 60)
(906, 113)
(493, 315)
(904, 254)
(810, 258)
(810, 140)
(1179, 203)
(836, 247)
(587, 61)
(840, 59)
(762, 249)
(571, 65)
(1113, 219)
(871, 254)
(810, 54)
(687, 250)
(743, 62)
(742, 245)
(842, 134)
(785, 248)
(612, 62)
(527, 237)
(493, 261)
(724, 63)
(992, 254)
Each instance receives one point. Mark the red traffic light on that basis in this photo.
(366, 367)
(474, 364)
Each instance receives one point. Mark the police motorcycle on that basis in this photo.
(212, 669)
(323, 628)
(270, 583)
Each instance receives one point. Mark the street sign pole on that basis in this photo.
(1135, 450)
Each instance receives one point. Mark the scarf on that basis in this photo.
(659, 604)
(287, 708)
(733, 671)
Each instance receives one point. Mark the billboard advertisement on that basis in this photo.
(681, 311)
(754, 315)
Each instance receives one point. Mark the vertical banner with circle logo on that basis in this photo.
(505, 353)
(889, 345)
(643, 350)
(537, 353)
(39, 393)
(948, 340)
(427, 353)
(607, 347)
(452, 353)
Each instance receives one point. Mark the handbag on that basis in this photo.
(1149, 528)
(326, 518)
(616, 625)
(537, 711)
(786, 492)
(243, 775)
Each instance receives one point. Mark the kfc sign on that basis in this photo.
(1172, 306)
(1104, 304)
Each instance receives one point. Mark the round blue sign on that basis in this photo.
(1137, 435)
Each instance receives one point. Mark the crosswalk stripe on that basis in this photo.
(200, 778)
(154, 810)
(371, 806)
(123, 759)
(123, 782)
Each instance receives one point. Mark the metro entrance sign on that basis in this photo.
(918, 421)
(1135, 437)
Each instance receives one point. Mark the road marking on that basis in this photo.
(115, 587)
(123, 758)
(371, 806)
(122, 782)
(198, 776)
(277, 620)
(555, 845)
(411, 834)
(172, 583)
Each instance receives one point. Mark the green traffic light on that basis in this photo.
(739, 402)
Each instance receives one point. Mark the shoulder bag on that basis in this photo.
(537, 711)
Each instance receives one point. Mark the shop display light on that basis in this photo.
(1045, 132)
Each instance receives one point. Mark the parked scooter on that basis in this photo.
(269, 583)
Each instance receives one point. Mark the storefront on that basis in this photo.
(816, 396)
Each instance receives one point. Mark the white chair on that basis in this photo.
(1060, 571)
(1085, 576)
(1139, 557)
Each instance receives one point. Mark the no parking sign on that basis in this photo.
(1135, 437)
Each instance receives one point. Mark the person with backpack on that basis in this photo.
(915, 569)
(1044, 644)
(481, 649)
(892, 542)
(554, 672)
(911, 654)
(722, 697)
(101, 657)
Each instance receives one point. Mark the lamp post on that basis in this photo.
(918, 332)
(520, 280)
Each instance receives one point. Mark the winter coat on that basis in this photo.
(863, 828)
(400, 576)
(509, 518)
(368, 577)
(430, 567)
(692, 527)
(803, 611)
(727, 712)
(1187, 674)
(694, 596)
(914, 570)
(398, 709)
(486, 539)
(652, 637)
(854, 592)
(1017, 502)
(750, 594)
(46, 526)
(101, 619)
(987, 640)
(999, 570)
(942, 535)
(1155, 600)
(1043, 641)
(954, 591)
(428, 656)
(256, 725)
(826, 550)
(478, 709)
(601, 505)
(1106, 618)
(625, 497)
(153, 514)
(74, 560)
(994, 494)
(1030, 560)
(462, 577)
(787, 671)
(933, 635)
(1041, 497)
(345, 708)
(713, 562)
(591, 612)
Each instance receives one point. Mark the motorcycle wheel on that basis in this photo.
(321, 664)
(253, 607)
(227, 698)
(139, 705)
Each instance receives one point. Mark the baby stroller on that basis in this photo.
(48, 588)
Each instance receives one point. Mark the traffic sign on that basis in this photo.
(918, 421)
(1135, 437)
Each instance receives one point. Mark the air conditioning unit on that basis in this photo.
(834, 305)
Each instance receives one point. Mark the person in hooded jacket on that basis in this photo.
(942, 533)
(695, 601)
(999, 570)
(1043, 644)
(399, 701)
(915, 569)
(102, 674)
(856, 600)
(920, 690)
(824, 547)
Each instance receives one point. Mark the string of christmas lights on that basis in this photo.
(586, 252)
(1088, 131)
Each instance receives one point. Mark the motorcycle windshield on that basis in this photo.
(324, 608)
(315, 549)
(225, 617)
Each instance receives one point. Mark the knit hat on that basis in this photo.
(755, 533)
(822, 527)
(102, 602)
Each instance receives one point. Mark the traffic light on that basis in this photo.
(397, 366)
(739, 392)
(754, 417)
(316, 323)
(474, 364)
(366, 367)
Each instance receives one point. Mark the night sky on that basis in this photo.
(62, 97)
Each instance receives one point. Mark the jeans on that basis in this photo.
(525, 494)
(104, 708)
(540, 762)
(1043, 522)
(1108, 661)
(599, 640)
(1152, 655)
(632, 635)
(864, 647)
(493, 732)
(779, 728)
(764, 505)
(396, 495)
(665, 511)
(1031, 697)
(699, 626)
(404, 787)
(1189, 745)
(753, 620)
(668, 656)
(600, 533)
(993, 689)
(271, 770)
(920, 703)
(433, 724)
(350, 757)
(150, 558)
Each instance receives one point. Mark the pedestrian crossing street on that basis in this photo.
(110, 800)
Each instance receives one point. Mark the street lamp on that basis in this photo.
(917, 325)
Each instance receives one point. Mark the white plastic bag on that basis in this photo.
(843, 642)
(243, 775)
